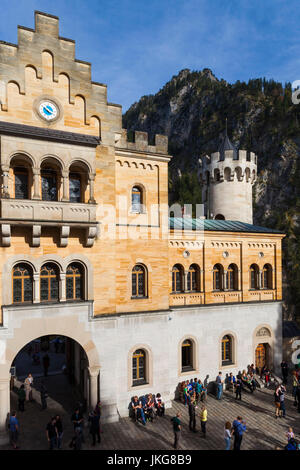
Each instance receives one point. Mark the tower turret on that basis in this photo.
(227, 177)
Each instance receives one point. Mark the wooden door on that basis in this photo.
(260, 356)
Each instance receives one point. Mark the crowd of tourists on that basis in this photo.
(193, 394)
(146, 408)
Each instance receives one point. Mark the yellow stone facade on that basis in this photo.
(101, 228)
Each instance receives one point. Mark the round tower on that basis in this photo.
(227, 177)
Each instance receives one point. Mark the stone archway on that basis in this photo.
(263, 350)
(26, 330)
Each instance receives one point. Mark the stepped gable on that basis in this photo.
(44, 64)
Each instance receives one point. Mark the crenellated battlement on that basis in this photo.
(140, 142)
(238, 156)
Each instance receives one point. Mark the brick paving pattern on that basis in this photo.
(263, 430)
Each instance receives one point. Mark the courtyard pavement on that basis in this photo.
(264, 432)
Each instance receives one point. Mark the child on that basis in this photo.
(290, 434)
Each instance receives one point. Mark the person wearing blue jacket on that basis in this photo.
(239, 427)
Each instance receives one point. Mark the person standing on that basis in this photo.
(282, 402)
(21, 398)
(176, 429)
(51, 433)
(298, 397)
(77, 420)
(239, 427)
(97, 409)
(219, 382)
(59, 429)
(44, 395)
(14, 429)
(290, 434)
(238, 388)
(295, 385)
(203, 419)
(277, 401)
(46, 364)
(228, 435)
(192, 414)
(28, 382)
(94, 421)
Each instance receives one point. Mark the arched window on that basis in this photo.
(232, 277)
(217, 176)
(266, 280)
(177, 278)
(74, 282)
(254, 276)
(49, 283)
(22, 284)
(187, 355)
(75, 187)
(139, 284)
(136, 199)
(193, 278)
(139, 367)
(49, 184)
(21, 182)
(78, 181)
(219, 217)
(226, 350)
(218, 277)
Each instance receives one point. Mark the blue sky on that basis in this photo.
(136, 46)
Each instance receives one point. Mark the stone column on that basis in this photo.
(36, 288)
(225, 284)
(92, 190)
(62, 287)
(200, 279)
(5, 177)
(185, 281)
(65, 177)
(4, 408)
(36, 183)
(240, 287)
(94, 374)
(260, 279)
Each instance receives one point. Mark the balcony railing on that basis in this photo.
(37, 214)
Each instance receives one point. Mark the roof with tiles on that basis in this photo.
(210, 225)
(32, 132)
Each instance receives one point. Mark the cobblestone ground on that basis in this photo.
(263, 430)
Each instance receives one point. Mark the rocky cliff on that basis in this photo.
(192, 108)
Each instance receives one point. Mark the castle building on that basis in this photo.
(88, 250)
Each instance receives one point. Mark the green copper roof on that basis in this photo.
(210, 225)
